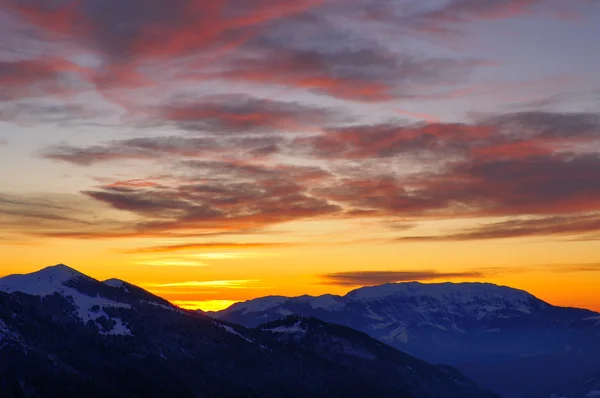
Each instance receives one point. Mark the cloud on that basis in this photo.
(169, 147)
(118, 49)
(360, 74)
(221, 114)
(583, 267)
(32, 111)
(387, 140)
(516, 164)
(509, 165)
(548, 124)
(560, 226)
(369, 278)
(41, 211)
(242, 163)
(453, 14)
(232, 125)
(123, 48)
(512, 134)
(227, 284)
(560, 99)
(37, 78)
(222, 196)
(173, 263)
(208, 246)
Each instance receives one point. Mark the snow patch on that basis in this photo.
(398, 334)
(382, 325)
(117, 283)
(164, 307)
(284, 312)
(594, 318)
(327, 302)
(231, 330)
(295, 328)
(5, 333)
(120, 329)
(259, 305)
(85, 304)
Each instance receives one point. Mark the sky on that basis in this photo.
(217, 151)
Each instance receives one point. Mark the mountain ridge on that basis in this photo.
(487, 331)
(132, 343)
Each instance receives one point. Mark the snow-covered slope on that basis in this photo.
(65, 281)
(114, 282)
(47, 281)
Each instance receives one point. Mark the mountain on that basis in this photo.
(362, 353)
(505, 339)
(64, 334)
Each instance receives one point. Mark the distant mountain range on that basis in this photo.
(64, 334)
(505, 339)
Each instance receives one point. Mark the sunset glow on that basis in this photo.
(217, 151)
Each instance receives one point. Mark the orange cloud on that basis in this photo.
(208, 246)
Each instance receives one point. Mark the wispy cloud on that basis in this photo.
(227, 284)
(582, 267)
(557, 226)
(209, 246)
(172, 263)
(367, 278)
(296, 148)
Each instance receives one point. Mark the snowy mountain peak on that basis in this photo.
(79, 288)
(448, 291)
(41, 283)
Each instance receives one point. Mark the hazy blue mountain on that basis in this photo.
(505, 339)
(64, 334)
